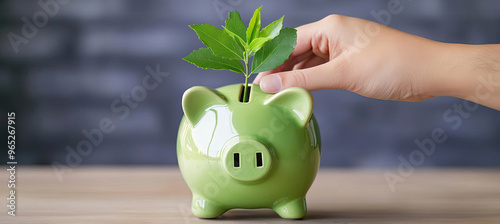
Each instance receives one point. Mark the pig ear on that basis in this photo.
(197, 99)
(297, 100)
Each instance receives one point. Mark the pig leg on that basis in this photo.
(293, 209)
(205, 208)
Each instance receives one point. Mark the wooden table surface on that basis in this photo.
(159, 195)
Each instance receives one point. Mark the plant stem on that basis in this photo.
(245, 92)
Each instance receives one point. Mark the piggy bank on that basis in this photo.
(263, 153)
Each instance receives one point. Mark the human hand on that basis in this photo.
(376, 61)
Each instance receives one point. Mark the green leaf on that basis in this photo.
(272, 30)
(254, 26)
(241, 42)
(257, 43)
(275, 52)
(235, 26)
(218, 41)
(205, 58)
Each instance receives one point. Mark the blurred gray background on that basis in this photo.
(67, 76)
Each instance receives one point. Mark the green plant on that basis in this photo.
(227, 48)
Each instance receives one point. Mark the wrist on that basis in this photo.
(451, 67)
(470, 72)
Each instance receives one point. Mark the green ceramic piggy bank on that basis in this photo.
(263, 153)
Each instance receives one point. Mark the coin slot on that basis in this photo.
(242, 93)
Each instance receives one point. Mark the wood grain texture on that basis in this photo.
(159, 195)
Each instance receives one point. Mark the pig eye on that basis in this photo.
(258, 158)
(236, 159)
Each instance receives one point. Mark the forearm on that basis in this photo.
(470, 72)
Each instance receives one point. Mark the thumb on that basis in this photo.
(330, 75)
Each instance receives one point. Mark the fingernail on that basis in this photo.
(271, 84)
